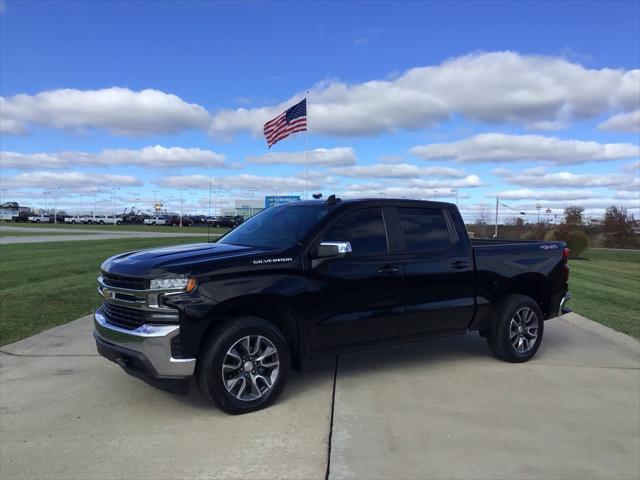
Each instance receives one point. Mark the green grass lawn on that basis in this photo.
(606, 288)
(117, 228)
(47, 284)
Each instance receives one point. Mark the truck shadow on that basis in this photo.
(317, 374)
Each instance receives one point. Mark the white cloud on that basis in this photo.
(118, 110)
(622, 122)
(498, 147)
(541, 195)
(496, 87)
(69, 180)
(632, 167)
(628, 194)
(397, 170)
(538, 177)
(153, 157)
(320, 157)
(237, 182)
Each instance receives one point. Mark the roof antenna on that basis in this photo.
(332, 200)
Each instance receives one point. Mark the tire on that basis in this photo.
(38, 221)
(153, 224)
(101, 222)
(229, 339)
(517, 331)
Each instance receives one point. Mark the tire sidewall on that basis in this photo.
(510, 307)
(210, 371)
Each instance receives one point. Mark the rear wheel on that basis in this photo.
(244, 365)
(517, 332)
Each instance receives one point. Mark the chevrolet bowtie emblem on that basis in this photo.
(107, 294)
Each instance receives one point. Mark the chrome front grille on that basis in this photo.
(121, 281)
(129, 303)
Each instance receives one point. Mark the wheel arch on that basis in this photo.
(272, 308)
(533, 285)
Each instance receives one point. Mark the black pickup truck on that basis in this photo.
(313, 278)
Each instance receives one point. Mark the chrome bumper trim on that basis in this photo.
(565, 299)
(152, 341)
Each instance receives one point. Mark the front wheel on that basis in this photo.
(244, 365)
(517, 332)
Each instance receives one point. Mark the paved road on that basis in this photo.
(76, 234)
(437, 409)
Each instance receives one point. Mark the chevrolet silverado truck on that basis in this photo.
(315, 278)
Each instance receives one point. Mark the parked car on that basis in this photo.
(40, 218)
(198, 219)
(105, 220)
(229, 221)
(155, 221)
(76, 219)
(175, 221)
(314, 278)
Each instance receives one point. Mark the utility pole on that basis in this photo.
(495, 233)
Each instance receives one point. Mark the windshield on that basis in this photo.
(276, 227)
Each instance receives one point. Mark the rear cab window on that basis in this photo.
(424, 229)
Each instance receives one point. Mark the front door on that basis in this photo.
(353, 299)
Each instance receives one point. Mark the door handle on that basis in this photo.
(388, 270)
(459, 265)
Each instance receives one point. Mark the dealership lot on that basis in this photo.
(30, 235)
(436, 409)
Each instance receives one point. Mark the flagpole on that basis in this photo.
(306, 137)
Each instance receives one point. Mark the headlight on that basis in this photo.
(189, 284)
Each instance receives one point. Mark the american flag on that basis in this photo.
(292, 120)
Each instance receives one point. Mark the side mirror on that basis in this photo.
(334, 250)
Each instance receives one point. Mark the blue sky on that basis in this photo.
(535, 101)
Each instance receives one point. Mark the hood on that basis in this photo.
(177, 260)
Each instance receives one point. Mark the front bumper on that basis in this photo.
(144, 352)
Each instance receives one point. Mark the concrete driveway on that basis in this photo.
(437, 409)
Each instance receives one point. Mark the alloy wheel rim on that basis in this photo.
(523, 330)
(250, 367)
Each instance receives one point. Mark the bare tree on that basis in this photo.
(573, 215)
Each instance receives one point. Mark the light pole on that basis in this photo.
(435, 195)
(55, 205)
(193, 202)
(538, 207)
(46, 202)
(252, 192)
(548, 216)
(115, 202)
(181, 190)
(455, 190)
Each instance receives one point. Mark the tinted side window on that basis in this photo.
(424, 229)
(364, 229)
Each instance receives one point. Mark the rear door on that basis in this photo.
(354, 299)
(437, 267)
